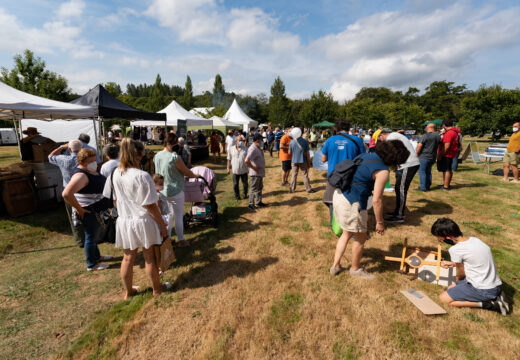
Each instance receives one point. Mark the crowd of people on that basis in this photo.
(149, 207)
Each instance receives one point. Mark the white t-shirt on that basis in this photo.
(412, 160)
(230, 141)
(106, 168)
(478, 263)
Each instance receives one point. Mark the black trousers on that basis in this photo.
(236, 179)
(403, 179)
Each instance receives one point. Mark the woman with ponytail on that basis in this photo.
(170, 165)
(139, 222)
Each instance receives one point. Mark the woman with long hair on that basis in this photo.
(139, 222)
(170, 165)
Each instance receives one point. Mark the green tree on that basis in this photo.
(443, 99)
(278, 104)
(320, 107)
(157, 99)
(187, 99)
(113, 88)
(218, 91)
(29, 75)
(490, 110)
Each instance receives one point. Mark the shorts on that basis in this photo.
(464, 291)
(286, 165)
(348, 215)
(444, 164)
(511, 158)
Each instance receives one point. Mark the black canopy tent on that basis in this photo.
(107, 106)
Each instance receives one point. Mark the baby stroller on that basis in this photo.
(196, 191)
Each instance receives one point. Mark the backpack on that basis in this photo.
(342, 175)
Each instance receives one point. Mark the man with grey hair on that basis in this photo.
(184, 152)
(64, 157)
(85, 139)
(111, 151)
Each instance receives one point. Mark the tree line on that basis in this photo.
(488, 109)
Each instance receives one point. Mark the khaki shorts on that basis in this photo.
(511, 158)
(348, 215)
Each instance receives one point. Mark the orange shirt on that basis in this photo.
(514, 142)
(284, 153)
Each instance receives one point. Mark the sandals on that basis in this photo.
(337, 270)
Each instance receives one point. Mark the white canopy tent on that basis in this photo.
(202, 111)
(16, 104)
(218, 121)
(63, 130)
(176, 112)
(147, 123)
(237, 116)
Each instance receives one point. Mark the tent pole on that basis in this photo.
(18, 136)
(97, 137)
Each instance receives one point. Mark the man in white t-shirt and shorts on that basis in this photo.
(477, 283)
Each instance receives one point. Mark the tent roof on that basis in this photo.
(236, 115)
(109, 107)
(202, 110)
(218, 121)
(176, 112)
(16, 103)
(437, 122)
(323, 124)
(147, 123)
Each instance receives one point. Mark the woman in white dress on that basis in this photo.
(139, 222)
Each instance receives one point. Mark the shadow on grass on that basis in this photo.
(216, 272)
(52, 220)
(428, 207)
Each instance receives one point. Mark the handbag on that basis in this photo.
(164, 255)
(107, 218)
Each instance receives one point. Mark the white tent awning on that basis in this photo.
(218, 121)
(176, 112)
(63, 130)
(18, 104)
(146, 123)
(236, 115)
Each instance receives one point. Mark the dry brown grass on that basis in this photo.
(259, 286)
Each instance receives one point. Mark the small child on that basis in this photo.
(158, 179)
(477, 283)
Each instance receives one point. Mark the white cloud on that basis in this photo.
(190, 20)
(82, 81)
(398, 49)
(254, 29)
(72, 8)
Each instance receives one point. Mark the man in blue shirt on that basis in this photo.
(336, 149)
(341, 146)
(64, 157)
(277, 137)
(300, 160)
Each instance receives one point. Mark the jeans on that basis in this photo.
(455, 163)
(236, 179)
(257, 184)
(425, 173)
(91, 227)
(403, 179)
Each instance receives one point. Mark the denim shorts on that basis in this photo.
(464, 291)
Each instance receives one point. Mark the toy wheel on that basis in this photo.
(186, 220)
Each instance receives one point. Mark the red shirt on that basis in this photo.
(451, 136)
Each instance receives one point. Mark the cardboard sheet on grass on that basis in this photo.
(423, 302)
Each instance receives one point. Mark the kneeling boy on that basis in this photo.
(477, 283)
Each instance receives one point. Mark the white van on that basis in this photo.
(7, 136)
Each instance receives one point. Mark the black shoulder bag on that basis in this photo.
(107, 218)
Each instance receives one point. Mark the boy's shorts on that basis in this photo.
(464, 291)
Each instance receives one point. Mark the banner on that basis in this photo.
(181, 128)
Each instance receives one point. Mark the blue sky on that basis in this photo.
(331, 45)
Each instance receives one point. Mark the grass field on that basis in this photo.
(258, 286)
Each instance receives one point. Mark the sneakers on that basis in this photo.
(252, 207)
(98, 267)
(260, 205)
(395, 219)
(499, 305)
(336, 270)
(504, 180)
(311, 191)
(441, 187)
(419, 189)
(106, 258)
(515, 181)
(361, 273)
